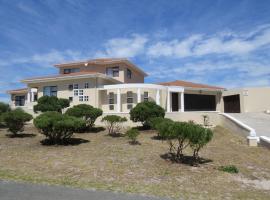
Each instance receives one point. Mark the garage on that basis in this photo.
(232, 104)
(199, 102)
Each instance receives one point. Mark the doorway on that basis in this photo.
(232, 104)
(175, 102)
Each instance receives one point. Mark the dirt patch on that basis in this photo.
(113, 164)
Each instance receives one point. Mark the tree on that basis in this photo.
(86, 112)
(199, 137)
(132, 134)
(113, 123)
(144, 111)
(57, 127)
(51, 103)
(15, 120)
(3, 109)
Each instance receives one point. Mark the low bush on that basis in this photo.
(229, 168)
(86, 112)
(3, 109)
(57, 127)
(154, 121)
(132, 134)
(144, 111)
(15, 120)
(163, 127)
(51, 103)
(113, 123)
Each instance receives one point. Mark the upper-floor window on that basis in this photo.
(76, 86)
(50, 91)
(129, 73)
(72, 70)
(112, 71)
(86, 85)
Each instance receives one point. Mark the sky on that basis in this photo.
(224, 43)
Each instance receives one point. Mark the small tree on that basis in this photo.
(144, 111)
(16, 119)
(50, 103)
(199, 137)
(86, 112)
(113, 123)
(132, 134)
(3, 109)
(57, 127)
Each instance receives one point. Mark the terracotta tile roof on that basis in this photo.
(18, 91)
(63, 75)
(189, 85)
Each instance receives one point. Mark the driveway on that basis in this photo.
(258, 121)
(24, 191)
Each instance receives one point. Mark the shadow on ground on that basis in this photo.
(21, 135)
(186, 160)
(66, 142)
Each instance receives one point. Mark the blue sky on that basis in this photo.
(224, 43)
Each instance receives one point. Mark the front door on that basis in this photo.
(175, 102)
(232, 104)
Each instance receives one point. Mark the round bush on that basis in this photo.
(57, 127)
(50, 103)
(15, 120)
(144, 111)
(132, 134)
(113, 123)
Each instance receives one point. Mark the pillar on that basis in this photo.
(118, 100)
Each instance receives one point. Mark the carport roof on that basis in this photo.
(187, 84)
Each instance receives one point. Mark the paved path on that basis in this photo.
(25, 191)
(258, 121)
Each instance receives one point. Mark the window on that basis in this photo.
(86, 98)
(112, 71)
(70, 99)
(80, 92)
(111, 101)
(86, 85)
(80, 98)
(70, 87)
(75, 86)
(76, 92)
(50, 91)
(72, 70)
(129, 100)
(129, 73)
(145, 96)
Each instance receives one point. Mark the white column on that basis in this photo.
(158, 97)
(118, 100)
(169, 101)
(182, 102)
(139, 95)
(32, 96)
(179, 102)
(29, 95)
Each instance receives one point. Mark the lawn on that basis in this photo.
(96, 160)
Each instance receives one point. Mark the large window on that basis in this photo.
(112, 71)
(111, 101)
(50, 91)
(129, 73)
(72, 70)
(129, 100)
(145, 96)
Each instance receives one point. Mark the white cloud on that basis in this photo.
(124, 47)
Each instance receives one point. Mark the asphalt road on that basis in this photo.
(24, 191)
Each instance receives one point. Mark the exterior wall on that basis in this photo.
(135, 78)
(251, 99)
(218, 96)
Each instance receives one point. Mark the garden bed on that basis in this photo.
(96, 160)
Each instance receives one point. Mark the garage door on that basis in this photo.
(232, 104)
(198, 102)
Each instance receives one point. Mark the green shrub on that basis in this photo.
(198, 138)
(15, 120)
(57, 127)
(154, 121)
(113, 123)
(132, 134)
(3, 109)
(229, 168)
(50, 103)
(86, 112)
(163, 129)
(144, 111)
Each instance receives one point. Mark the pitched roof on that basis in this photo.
(18, 91)
(82, 74)
(103, 61)
(190, 85)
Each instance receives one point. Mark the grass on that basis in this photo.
(109, 163)
(229, 168)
